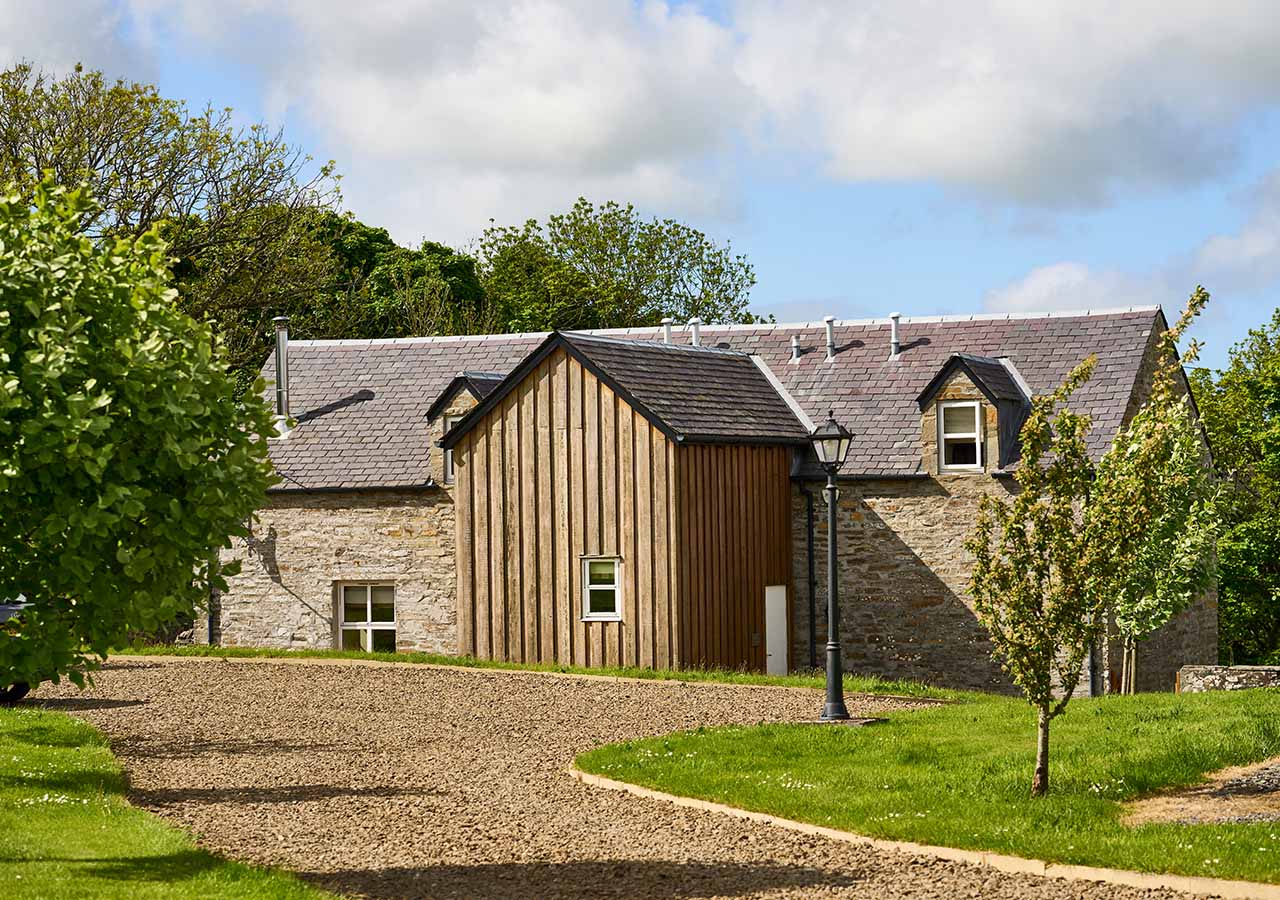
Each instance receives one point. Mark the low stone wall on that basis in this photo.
(1193, 679)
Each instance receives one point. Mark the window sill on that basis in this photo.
(958, 470)
(601, 619)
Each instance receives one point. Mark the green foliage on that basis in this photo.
(1029, 576)
(230, 201)
(1152, 514)
(69, 832)
(1241, 414)
(125, 461)
(954, 775)
(608, 267)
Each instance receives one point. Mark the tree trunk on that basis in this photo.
(1040, 783)
(1128, 659)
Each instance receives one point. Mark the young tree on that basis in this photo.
(125, 461)
(1029, 581)
(1152, 514)
(1241, 413)
(608, 267)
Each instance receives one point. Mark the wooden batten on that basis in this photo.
(563, 468)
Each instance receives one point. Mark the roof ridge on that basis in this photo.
(652, 330)
(650, 344)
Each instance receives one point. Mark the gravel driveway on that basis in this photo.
(409, 781)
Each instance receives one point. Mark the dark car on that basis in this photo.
(12, 693)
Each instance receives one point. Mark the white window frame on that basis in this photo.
(587, 587)
(449, 474)
(943, 437)
(368, 625)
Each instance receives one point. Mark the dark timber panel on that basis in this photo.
(734, 515)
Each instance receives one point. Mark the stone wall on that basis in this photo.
(305, 544)
(903, 576)
(903, 571)
(1193, 679)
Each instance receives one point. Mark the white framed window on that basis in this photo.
(367, 617)
(449, 422)
(960, 436)
(601, 589)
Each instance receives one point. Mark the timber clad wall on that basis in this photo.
(735, 515)
(564, 468)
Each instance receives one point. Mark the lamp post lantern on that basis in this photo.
(831, 443)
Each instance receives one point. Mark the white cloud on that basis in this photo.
(1070, 285)
(56, 36)
(1249, 259)
(445, 114)
(1051, 103)
(1233, 266)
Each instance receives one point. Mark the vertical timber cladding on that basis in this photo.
(735, 532)
(563, 468)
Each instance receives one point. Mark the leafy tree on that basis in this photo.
(375, 289)
(607, 267)
(1152, 512)
(1241, 413)
(1030, 578)
(125, 461)
(229, 200)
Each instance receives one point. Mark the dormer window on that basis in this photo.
(449, 422)
(960, 436)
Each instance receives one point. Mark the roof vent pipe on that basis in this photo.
(895, 342)
(666, 329)
(695, 328)
(282, 375)
(829, 321)
(795, 347)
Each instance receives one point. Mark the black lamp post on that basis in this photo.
(831, 443)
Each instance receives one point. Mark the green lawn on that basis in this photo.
(66, 830)
(958, 775)
(866, 684)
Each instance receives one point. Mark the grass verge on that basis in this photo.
(865, 684)
(958, 775)
(67, 831)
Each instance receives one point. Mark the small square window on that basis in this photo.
(960, 436)
(601, 589)
(367, 618)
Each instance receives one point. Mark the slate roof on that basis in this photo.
(691, 394)
(383, 441)
(361, 407)
(480, 384)
(990, 375)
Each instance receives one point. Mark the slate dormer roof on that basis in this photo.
(992, 375)
(361, 404)
(1000, 382)
(480, 384)
(690, 394)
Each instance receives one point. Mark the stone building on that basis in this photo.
(369, 541)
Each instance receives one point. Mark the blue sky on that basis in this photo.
(867, 157)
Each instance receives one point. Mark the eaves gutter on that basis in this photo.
(357, 489)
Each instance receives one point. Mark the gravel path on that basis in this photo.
(407, 781)
(1238, 795)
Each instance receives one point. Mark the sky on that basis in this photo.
(926, 158)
